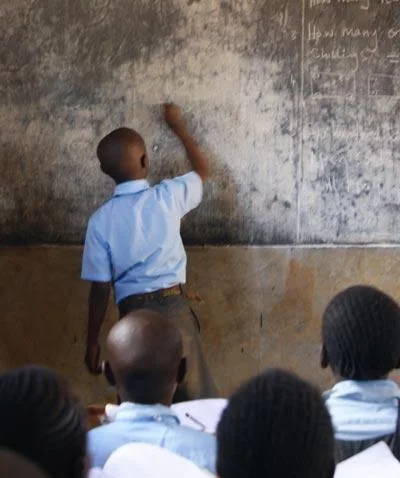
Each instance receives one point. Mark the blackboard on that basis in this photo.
(350, 165)
(296, 103)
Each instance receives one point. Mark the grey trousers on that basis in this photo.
(199, 382)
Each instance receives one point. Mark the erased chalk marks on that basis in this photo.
(384, 85)
(351, 122)
(65, 51)
(333, 85)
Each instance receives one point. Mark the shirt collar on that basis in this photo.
(369, 390)
(131, 187)
(135, 411)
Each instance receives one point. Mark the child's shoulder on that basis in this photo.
(101, 211)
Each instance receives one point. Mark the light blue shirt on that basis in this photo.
(363, 410)
(155, 425)
(134, 239)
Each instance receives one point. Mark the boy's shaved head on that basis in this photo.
(122, 155)
(145, 352)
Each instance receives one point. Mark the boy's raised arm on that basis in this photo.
(199, 161)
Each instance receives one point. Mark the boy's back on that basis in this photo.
(134, 239)
(196, 446)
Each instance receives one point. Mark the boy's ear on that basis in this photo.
(324, 359)
(143, 161)
(182, 369)
(108, 373)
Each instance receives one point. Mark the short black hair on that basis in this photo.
(276, 425)
(111, 150)
(43, 421)
(146, 353)
(361, 333)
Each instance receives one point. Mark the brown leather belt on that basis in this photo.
(139, 299)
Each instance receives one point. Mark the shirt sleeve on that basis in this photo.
(96, 263)
(186, 190)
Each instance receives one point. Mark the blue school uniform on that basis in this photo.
(134, 241)
(156, 425)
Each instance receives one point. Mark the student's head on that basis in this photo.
(43, 421)
(145, 353)
(276, 425)
(16, 466)
(361, 334)
(123, 156)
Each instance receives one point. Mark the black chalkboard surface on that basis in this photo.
(351, 91)
(296, 101)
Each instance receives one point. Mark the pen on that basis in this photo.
(194, 420)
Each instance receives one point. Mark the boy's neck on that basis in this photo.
(125, 180)
(339, 379)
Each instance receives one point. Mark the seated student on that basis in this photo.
(41, 420)
(276, 425)
(361, 344)
(145, 354)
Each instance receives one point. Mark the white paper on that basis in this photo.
(375, 462)
(201, 414)
(140, 460)
(97, 473)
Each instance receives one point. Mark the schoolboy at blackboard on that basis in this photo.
(133, 245)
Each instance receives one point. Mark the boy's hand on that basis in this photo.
(174, 117)
(92, 359)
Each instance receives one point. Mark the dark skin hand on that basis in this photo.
(98, 302)
(174, 118)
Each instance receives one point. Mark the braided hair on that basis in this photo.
(275, 425)
(361, 334)
(43, 421)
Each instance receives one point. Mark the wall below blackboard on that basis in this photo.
(262, 307)
(297, 103)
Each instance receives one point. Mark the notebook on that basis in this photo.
(375, 462)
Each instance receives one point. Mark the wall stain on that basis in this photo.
(292, 315)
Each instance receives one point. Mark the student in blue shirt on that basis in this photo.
(145, 361)
(361, 344)
(133, 244)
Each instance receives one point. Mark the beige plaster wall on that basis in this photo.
(262, 307)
